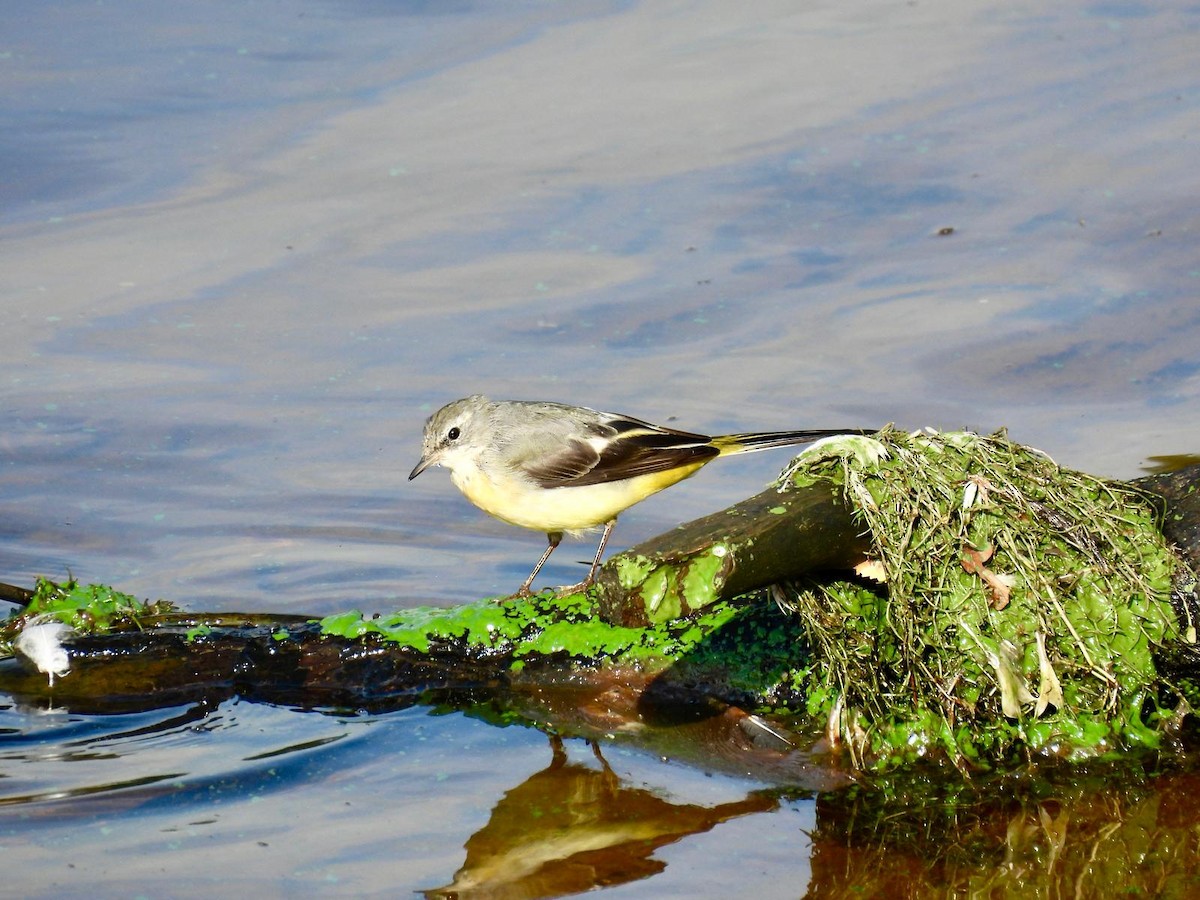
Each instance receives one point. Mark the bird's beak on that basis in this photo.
(420, 467)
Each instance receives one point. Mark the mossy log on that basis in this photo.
(770, 538)
(349, 660)
(1178, 494)
(681, 615)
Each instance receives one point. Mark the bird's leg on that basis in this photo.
(587, 582)
(608, 527)
(555, 538)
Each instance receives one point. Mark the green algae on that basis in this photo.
(632, 570)
(755, 652)
(666, 590)
(485, 625)
(700, 581)
(84, 608)
(1022, 609)
(542, 626)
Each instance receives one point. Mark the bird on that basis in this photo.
(562, 469)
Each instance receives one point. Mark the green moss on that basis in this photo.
(632, 570)
(668, 591)
(485, 625)
(544, 626)
(660, 596)
(87, 609)
(1022, 608)
(700, 581)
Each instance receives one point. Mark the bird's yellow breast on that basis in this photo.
(512, 499)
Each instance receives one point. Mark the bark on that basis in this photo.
(769, 538)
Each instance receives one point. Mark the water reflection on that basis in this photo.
(574, 821)
(51, 756)
(571, 828)
(198, 769)
(1097, 834)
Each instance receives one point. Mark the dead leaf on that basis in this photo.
(1049, 689)
(1000, 586)
(872, 569)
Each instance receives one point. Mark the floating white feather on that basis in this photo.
(41, 644)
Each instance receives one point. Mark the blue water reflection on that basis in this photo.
(325, 802)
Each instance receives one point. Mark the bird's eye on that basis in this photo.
(453, 434)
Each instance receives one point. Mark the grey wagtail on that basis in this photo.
(557, 468)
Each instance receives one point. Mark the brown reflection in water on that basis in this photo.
(673, 721)
(571, 828)
(1140, 838)
(1158, 465)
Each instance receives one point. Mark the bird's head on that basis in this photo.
(455, 434)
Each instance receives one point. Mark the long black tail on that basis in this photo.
(751, 441)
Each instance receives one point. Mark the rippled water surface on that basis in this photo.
(189, 800)
(246, 248)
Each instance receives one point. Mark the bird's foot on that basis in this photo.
(524, 592)
(570, 589)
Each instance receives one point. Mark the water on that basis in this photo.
(245, 249)
(299, 804)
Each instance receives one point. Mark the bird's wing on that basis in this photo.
(615, 448)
